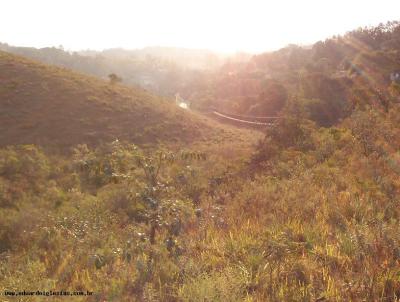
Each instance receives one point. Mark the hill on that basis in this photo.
(326, 79)
(161, 70)
(47, 105)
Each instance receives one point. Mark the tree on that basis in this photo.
(114, 78)
(272, 99)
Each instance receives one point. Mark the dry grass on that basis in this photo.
(48, 105)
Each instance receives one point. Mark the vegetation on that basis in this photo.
(162, 70)
(311, 213)
(57, 108)
(327, 78)
(114, 78)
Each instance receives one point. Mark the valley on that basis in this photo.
(280, 181)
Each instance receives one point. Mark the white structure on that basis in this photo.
(395, 76)
(181, 102)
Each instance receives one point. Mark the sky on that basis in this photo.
(220, 25)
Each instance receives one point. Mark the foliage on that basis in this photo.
(114, 79)
(46, 105)
(310, 214)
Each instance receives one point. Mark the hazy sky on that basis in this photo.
(221, 25)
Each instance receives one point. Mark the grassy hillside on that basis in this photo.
(46, 105)
(161, 70)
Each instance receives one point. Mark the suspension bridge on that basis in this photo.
(245, 120)
(239, 120)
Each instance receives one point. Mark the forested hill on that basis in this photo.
(326, 79)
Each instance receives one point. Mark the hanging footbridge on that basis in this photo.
(239, 120)
(245, 120)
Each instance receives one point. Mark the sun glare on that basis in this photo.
(225, 26)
